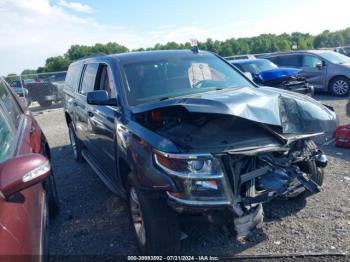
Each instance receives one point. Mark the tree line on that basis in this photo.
(248, 45)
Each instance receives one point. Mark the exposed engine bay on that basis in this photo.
(195, 132)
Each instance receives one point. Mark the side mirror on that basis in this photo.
(319, 66)
(21, 172)
(100, 97)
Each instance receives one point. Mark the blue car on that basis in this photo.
(264, 72)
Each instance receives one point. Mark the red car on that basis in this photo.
(28, 195)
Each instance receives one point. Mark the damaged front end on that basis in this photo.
(291, 83)
(242, 182)
(286, 79)
(240, 149)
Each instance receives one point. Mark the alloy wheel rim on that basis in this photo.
(340, 87)
(136, 215)
(72, 142)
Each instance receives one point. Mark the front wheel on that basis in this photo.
(339, 86)
(315, 173)
(154, 224)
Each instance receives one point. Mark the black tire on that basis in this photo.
(309, 167)
(45, 243)
(339, 86)
(52, 197)
(161, 225)
(76, 144)
(45, 103)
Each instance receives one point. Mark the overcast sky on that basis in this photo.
(32, 30)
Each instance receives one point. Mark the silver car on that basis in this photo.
(324, 69)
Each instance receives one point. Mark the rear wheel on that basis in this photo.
(76, 144)
(339, 86)
(154, 224)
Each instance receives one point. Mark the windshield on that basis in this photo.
(177, 76)
(335, 58)
(257, 66)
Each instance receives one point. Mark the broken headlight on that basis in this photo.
(188, 165)
(198, 177)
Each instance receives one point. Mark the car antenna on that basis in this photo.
(194, 44)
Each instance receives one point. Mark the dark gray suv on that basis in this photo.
(324, 69)
(184, 132)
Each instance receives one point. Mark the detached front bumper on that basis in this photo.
(234, 193)
(300, 87)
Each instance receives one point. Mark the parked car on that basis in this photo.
(264, 72)
(178, 132)
(45, 93)
(28, 193)
(57, 80)
(236, 57)
(23, 95)
(344, 50)
(325, 70)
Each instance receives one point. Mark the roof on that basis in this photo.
(144, 56)
(298, 52)
(134, 57)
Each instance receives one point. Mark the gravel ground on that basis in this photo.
(93, 221)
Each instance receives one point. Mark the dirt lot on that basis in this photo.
(93, 221)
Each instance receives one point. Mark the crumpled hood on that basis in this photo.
(294, 113)
(276, 73)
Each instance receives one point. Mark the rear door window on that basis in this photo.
(290, 61)
(10, 105)
(73, 76)
(89, 79)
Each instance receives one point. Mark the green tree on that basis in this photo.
(248, 45)
(77, 51)
(57, 63)
(11, 77)
(28, 72)
(41, 69)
